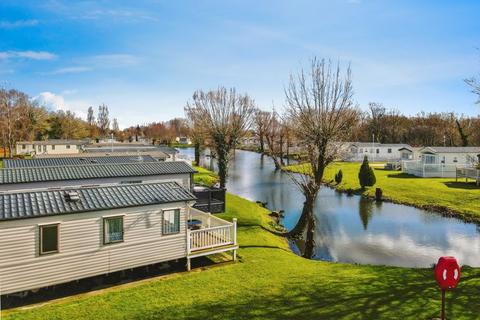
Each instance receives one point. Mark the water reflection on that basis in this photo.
(365, 210)
(353, 229)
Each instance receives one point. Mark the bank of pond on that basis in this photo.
(356, 229)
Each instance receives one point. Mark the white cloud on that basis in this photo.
(66, 70)
(34, 55)
(55, 102)
(113, 60)
(18, 24)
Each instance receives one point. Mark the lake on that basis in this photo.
(353, 229)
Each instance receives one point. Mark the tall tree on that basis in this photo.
(103, 119)
(321, 111)
(13, 105)
(225, 117)
(115, 126)
(196, 133)
(275, 135)
(260, 122)
(90, 116)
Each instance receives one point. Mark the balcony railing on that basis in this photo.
(209, 232)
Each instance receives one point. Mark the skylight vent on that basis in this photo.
(72, 196)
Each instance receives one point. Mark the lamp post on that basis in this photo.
(373, 146)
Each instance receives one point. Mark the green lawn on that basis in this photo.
(270, 282)
(440, 194)
(204, 176)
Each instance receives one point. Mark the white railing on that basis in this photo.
(421, 169)
(213, 232)
(211, 237)
(469, 172)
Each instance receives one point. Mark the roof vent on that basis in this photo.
(71, 196)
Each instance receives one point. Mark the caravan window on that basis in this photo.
(48, 239)
(171, 221)
(112, 229)
(430, 159)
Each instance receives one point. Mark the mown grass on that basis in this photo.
(204, 177)
(442, 194)
(270, 282)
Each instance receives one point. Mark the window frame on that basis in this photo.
(67, 146)
(40, 238)
(104, 220)
(53, 147)
(164, 224)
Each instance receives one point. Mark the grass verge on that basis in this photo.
(270, 282)
(442, 195)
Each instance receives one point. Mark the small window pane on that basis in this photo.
(171, 221)
(113, 229)
(48, 239)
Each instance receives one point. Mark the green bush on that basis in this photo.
(339, 176)
(366, 174)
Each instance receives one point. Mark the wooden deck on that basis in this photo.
(212, 235)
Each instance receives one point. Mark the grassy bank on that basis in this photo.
(443, 195)
(270, 282)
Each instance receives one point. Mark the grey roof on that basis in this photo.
(167, 149)
(72, 161)
(453, 149)
(20, 205)
(79, 172)
(157, 154)
(121, 148)
(376, 145)
(55, 142)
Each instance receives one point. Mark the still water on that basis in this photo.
(353, 229)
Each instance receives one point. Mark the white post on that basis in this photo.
(189, 267)
(235, 230)
(235, 238)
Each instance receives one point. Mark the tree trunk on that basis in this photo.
(262, 146)
(222, 161)
(304, 220)
(197, 153)
(310, 239)
(277, 163)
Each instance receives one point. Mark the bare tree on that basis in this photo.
(13, 106)
(90, 116)
(377, 120)
(224, 117)
(103, 119)
(115, 126)
(195, 132)
(475, 86)
(321, 111)
(275, 135)
(261, 120)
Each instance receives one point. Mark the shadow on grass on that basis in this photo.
(387, 296)
(402, 175)
(101, 282)
(462, 185)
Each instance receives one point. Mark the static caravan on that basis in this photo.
(22, 178)
(49, 237)
(442, 161)
(55, 147)
(74, 161)
(356, 151)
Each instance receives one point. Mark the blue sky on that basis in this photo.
(144, 59)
